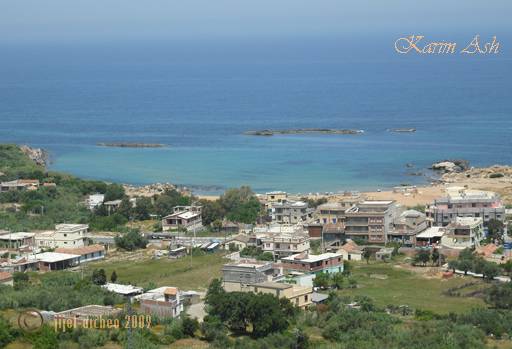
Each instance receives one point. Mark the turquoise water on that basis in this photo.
(198, 99)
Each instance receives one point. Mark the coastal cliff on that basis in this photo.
(38, 155)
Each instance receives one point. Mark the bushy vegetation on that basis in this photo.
(468, 261)
(131, 241)
(55, 291)
(237, 205)
(261, 313)
(256, 252)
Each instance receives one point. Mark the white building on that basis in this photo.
(65, 235)
(95, 200)
(463, 232)
(284, 245)
(162, 302)
(183, 217)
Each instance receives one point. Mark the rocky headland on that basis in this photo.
(38, 155)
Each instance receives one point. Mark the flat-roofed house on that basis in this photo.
(291, 212)
(17, 240)
(462, 202)
(183, 217)
(162, 302)
(123, 290)
(370, 220)
(257, 277)
(87, 313)
(430, 237)
(463, 232)
(283, 245)
(330, 213)
(309, 263)
(236, 276)
(405, 227)
(65, 235)
(95, 200)
(300, 296)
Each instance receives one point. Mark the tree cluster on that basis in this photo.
(240, 311)
(468, 261)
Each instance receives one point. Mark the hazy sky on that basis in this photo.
(35, 20)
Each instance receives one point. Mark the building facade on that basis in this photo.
(406, 226)
(183, 217)
(371, 221)
(284, 245)
(309, 263)
(461, 202)
(291, 212)
(65, 235)
(463, 232)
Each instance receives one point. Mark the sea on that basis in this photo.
(199, 96)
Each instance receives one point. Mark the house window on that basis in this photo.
(306, 298)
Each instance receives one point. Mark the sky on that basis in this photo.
(98, 20)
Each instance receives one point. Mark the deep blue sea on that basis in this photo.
(198, 98)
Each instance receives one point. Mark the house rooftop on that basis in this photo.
(16, 236)
(331, 206)
(249, 265)
(53, 257)
(302, 257)
(122, 289)
(431, 232)
(89, 311)
(71, 227)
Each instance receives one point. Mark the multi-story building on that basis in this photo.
(406, 226)
(291, 212)
(65, 235)
(283, 245)
(463, 232)
(330, 213)
(238, 275)
(309, 263)
(162, 302)
(370, 220)
(257, 277)
(300, 296)
(461, 202)
(183, 217)
(276, 196)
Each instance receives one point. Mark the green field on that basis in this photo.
(167, 272)
(404, 287)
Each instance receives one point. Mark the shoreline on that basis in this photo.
(497, 178)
